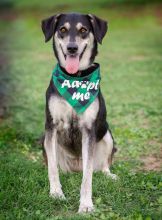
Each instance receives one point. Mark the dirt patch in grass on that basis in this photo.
(149, 163)
(152, 161)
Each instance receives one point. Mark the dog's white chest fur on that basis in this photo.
(62, 113)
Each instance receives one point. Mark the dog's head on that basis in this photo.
(75, 38)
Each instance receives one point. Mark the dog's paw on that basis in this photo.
(57, 195)
(112, 176)
(86, 208)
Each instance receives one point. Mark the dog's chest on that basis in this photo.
(69, 125)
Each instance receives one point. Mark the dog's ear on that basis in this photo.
(49, 25)
(99, 27)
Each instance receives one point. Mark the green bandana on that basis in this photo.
(79, 92)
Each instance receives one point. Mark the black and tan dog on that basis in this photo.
(76, 142)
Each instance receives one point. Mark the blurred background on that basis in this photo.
(131, 67)
(131, 47)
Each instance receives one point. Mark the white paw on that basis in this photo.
(112, 176)
(57, 195)
(86, 208)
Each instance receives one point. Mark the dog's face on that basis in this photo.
(75, 38)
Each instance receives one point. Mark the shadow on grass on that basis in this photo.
(4, 79)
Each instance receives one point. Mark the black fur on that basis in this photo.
(48, 27)
(99, 27)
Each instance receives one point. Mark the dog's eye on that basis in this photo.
(83, 30)
(63, 30)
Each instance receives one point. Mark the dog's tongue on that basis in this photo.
(72, 64)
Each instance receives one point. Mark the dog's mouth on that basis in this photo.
(72, 61)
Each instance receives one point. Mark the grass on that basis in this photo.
(131, 68)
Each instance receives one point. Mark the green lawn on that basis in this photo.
(131, 67)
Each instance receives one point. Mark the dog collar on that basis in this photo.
(79, 92)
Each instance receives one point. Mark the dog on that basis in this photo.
(76, 142)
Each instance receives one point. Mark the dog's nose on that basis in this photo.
(72, 48)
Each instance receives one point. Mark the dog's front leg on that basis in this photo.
(88, 142)
(53, 174)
